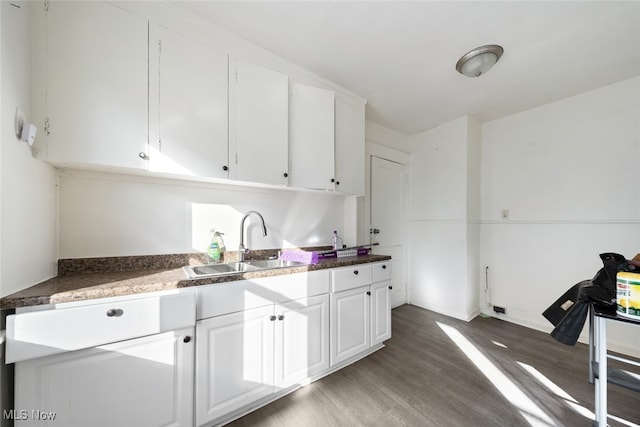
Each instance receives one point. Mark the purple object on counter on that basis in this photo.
(328, 255)
(299, 256)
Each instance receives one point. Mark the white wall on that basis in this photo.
(28, 186)
(118, 215)
(568, 174)
(443, 218)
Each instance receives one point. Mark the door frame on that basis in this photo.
(373, 149)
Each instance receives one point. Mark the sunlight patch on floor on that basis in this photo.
(622, 421)
(558, 391)
(528, 409)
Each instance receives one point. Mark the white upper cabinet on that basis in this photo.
(259, 117)
(311, 152)
(349, 146)
(96, 85)
(113, 92)
(192, 109)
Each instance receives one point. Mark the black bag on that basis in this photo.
(569, 312)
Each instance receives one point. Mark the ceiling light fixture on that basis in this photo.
(479, 60)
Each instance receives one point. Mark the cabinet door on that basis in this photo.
(311, 151)
(260, 123)
(193, 109)
(97, 85)
(380, 313)
(141, 382)
(234, 362)
(349, 146)
(302, 340)
(349, 323)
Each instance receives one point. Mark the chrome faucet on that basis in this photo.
(264, 231)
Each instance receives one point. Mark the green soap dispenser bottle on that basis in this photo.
(216, 247)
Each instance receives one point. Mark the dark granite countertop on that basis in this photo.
(94, 278)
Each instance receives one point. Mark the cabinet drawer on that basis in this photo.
(41, 333)
(381, 271)
(350, 277)
(230, 297)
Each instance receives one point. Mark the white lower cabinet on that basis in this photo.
(380, 313)
(349, 323)
(360, 315)
(245, 356)
(234, 362)
(135, 362)
(302, 340)
(139, 382)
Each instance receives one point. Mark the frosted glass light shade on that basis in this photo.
(479, 60)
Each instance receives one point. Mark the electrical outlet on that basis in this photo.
(505, 213)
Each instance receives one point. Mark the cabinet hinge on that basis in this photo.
(236, 73)
(160, 145)
(46, 126)
(236, 159)
(160, 46)
(46, 5)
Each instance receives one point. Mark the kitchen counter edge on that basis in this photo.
(82, 287)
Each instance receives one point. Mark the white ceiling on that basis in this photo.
(401, 56)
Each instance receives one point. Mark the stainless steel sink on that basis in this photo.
(268, 264)
(220, 269)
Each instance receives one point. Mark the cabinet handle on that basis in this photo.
(115, 312)
(390, 287)
(355, 272)
(368, 292)
(186, 339)
(143, 156)
(272, 318)
(225, 168)
(285, 174)
(384, 267)
(333, 180)
(337, 182)
(281, 317)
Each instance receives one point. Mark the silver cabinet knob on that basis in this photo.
(143, 156)
(115, 312)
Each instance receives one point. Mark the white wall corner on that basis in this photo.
(28, 221)
(385, 136)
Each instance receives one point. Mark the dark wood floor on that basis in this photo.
(422, 378)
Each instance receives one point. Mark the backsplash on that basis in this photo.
(107, 215)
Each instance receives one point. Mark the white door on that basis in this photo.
(380, 313)
(141, 382)
(350, 323)
(234, 361)
(97, 84)
(388, 218)
(302, 340)
(312, 137)
(259, 109)
(193, 106)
